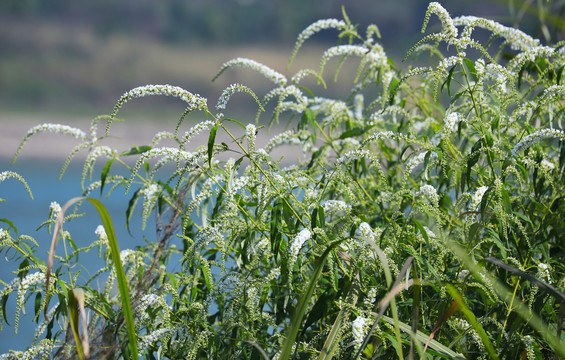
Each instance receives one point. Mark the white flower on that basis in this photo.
(321, 25)
(59, 129)
(314, 28)
(358, 100)
(229, 91)
(354, 155)
(155, 336)
(449, 31)
(430, 193)
(365, 233)
(151, 191)
(335, 207)
(546, 165)
(288, 137)
(55, 208)
(359, 330)
(529, 344)
(375, 55)
(535, 138)
(194, 101)
(477, 198)
(543, 272)
(126, 255)
(264, 70)
(101, 233)
(197, 129)
(518, 40)
(462, 275)
(418, 159)
(450, 122)
(250, 133)
(299, 240)
(4, 234)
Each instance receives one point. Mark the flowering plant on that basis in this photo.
(427, 199)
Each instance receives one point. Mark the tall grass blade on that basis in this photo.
(303, 301)
(332, 341)
(259, 348)
(76, 307)
(435, 345)
(115, 252)
(506, 295)
(397, 287)
(472, 320)
(452, 309)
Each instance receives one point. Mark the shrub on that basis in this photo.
(424, 215)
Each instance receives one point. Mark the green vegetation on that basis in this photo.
(423, 219)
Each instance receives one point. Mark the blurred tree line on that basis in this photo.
(67, 51)
(237, 21)
(217, 21)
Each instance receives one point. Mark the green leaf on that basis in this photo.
(73, 305)
(471, 66)
(352, 133)
(314, 218)
(307, 117)
(316, 155)
(104, 174)
(211, 141)
(131, 206)
(559, 74)
(136, 150)
(448, 80)
(235, 121)
(22, 269)
(3, 302)
(393, 90)
(37, 306)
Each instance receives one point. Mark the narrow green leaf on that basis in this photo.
(131, 206)
(22, 269)
(235, 121)
(73, 320)
(471, 66)
(448, 80)
(211, 141)
(37, 306)
(3, 302)
(352, 133)
(104, 174)
(136, 150)
(307, 117)
(542, 285)
(559, 74)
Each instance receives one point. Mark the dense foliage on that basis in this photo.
(424, 217)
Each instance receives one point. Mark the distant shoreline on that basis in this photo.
(123, 136)
(51, 146)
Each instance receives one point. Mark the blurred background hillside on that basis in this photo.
(66, 56)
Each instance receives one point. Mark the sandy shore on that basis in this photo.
(123, 136)
(50, 146)
(57, 146)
